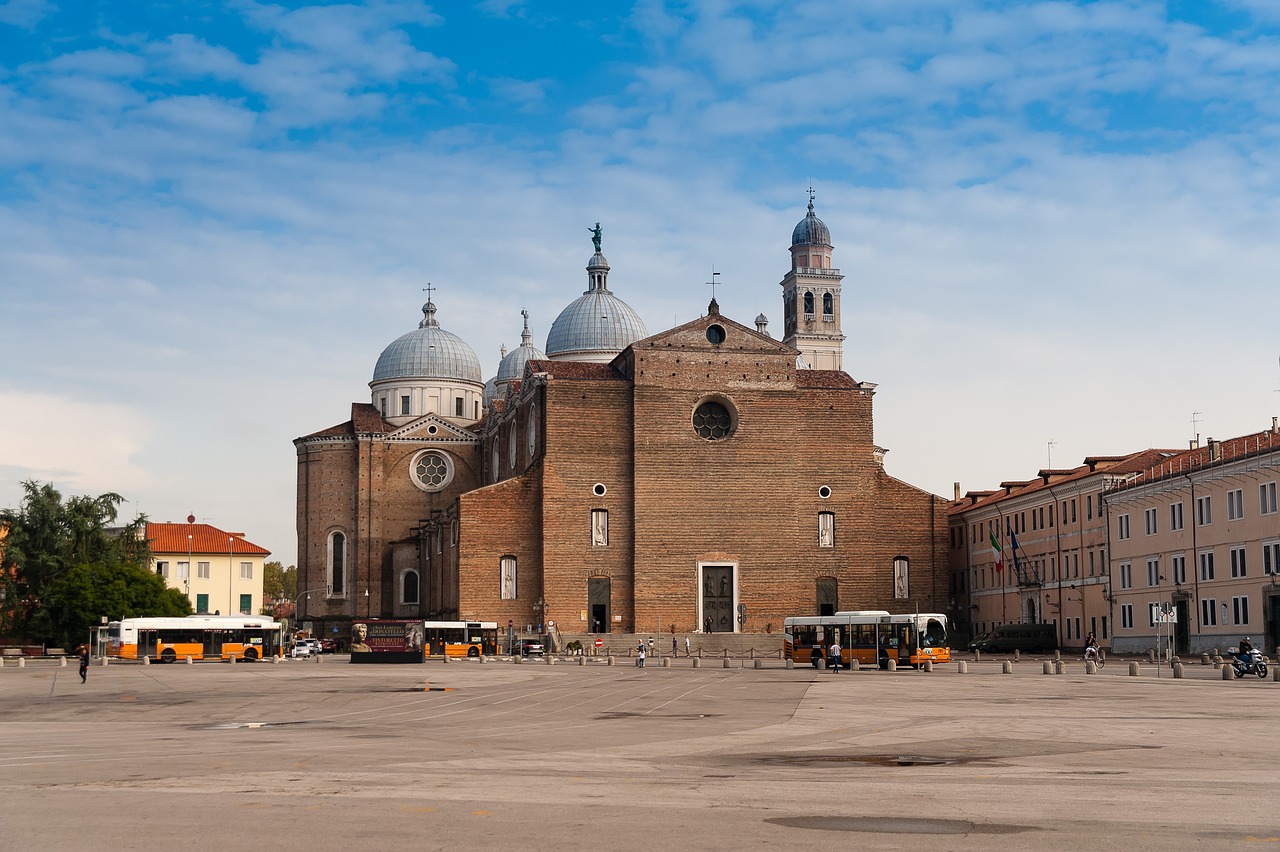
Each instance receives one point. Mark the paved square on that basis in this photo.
(499, 756)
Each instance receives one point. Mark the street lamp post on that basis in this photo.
(231, 562)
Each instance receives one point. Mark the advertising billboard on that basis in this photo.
(387, 641)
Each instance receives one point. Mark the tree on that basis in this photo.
(54, 546)
(278, 582)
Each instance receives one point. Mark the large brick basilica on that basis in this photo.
(708, 476)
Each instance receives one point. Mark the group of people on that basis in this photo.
(643, 650)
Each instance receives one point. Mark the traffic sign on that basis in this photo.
(599, 642)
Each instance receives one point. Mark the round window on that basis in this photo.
(712, 421)
(431, 430)
(715, 334)
(824, 492)
(598, 489)
(432, 470)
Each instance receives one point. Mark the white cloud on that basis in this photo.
(24, 13)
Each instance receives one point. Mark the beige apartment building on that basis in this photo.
(219, 571)
(1198, 533)
(1035, 551)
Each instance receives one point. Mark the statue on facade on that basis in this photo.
(595, 235)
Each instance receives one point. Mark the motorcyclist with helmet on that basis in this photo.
(1245, 654)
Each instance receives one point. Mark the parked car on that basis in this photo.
(1032, 638)
(328, 646)
(301, 648)
(531, 648)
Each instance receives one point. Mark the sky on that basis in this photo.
(1056, 220)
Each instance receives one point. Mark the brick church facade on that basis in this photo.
(708, 477)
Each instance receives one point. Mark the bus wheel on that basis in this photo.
(251, 653)
(168, 655)
(473, 651)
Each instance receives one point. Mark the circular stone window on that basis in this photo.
(824, 492)
(431, 430)
(712, 421)
(598, 489)
(715, 334)
(431, 470)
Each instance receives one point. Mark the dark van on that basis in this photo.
(1032, 638)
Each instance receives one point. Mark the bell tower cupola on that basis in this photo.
(811, 296)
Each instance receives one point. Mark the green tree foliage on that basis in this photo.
(278, 582)
(52, 546)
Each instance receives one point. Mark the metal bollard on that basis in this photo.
(1, 662)
(1090, 667)
(1228, 673)
(1177, 670)
(927, 665)
(444, 656)
(893, 664)
(1133, 668)
(1047, 667)
(962, 667)
(977, 656)
(697, 662)
(1006, 667)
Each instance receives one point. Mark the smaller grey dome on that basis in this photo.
(811, 231)
(512, 366)
(762, 320)
(428, 352)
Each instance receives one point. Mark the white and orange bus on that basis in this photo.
(166, 640)
(872, 637)
(461, 638)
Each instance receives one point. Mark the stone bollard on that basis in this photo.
(1090, 667)
(233, 659)
(726, 660)
(444, 657)
(609, 660)
(697, 662)
(1228, 673)
(62, 662)
(893, 664)
(191, 662)
(146, 659)
(666, 662)
(1, 662)
(1133, 668)
(791, 664)
(22, 662)
(1204, 659)
(1275, 675)
(977, 656)
(1217, 661)
(1216, 652)
(1017, 655)
(319, 658)
(822, 663)
(853, 665)
(927, 665)
(549, 660)
(757, 663)
(1006, 667)
(1047, 667)
(483, 659)
(104, 661)
(1059, 667)
(275, 659)
(1177, 670)
(1151, 655)
(962, 667)
(582, 661)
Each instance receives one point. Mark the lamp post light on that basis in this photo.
(231, 562)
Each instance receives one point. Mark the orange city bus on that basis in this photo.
(872, 637)
(246, 637)
(461, 638)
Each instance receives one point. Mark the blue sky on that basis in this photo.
(1056, 220)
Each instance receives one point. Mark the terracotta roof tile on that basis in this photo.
(573, 370)
(1179, 462)
(820, 379)
(172, 538)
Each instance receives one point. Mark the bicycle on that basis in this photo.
(1095, 654)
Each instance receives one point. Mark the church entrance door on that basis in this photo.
(598, 604)
(717, 599)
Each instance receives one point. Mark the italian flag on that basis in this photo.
(995, 545)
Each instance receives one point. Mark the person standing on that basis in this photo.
(686, 647)
(84, 663)
(675, 648)
(640, 652)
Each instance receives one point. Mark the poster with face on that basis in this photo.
(387, 641)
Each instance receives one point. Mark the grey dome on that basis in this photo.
(490, 391)
(597, 321)
(511, 367)
(811, 231)
(428, 352)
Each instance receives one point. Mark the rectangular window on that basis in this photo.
(246, 604)
(1271, 557)
(1126, 616)
(1204, 511)
(162, 568)
(508, 577)
(1122, 527)
(1073, 510)
(1104, 627)
(1153, 610)
(1088, 502)
(1175, 516)
(1235, 505)
(1208, 612)
(1153, 572)
(1237, 562)
(202, 603)
(1126, 575)
(382, 406)
(1267, 498)
(826, 529)
(1206, 566)
(246, 570)
(1240, 609)
(1149, 517)
(457, 407)
(184, 570)
(404, 406)
(599, 527)
(202, 570)
(1091, 562)
(1179, 564)
(1035, 520)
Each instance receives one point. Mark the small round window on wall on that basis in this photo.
(598, 489)
(713, 420)
(431, 470)
(824, 491)
(715, 334)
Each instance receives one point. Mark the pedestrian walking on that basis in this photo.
(675, 648)
(84, 663)
(640, 652)
(835, 658)
(686, 647)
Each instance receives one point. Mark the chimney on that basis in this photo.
(1213, 450)
(1275, 424)
(956, 489)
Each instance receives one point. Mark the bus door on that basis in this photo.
(146, 643)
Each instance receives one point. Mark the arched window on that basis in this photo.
(808, 304)
(828, 305)
(409, 587)
(828, 594)
(337, 563)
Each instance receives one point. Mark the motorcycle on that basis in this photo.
(1253, 663)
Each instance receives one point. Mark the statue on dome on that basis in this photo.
(595, 235)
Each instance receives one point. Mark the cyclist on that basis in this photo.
(1091, 649)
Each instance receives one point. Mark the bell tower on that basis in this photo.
(811, 296)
